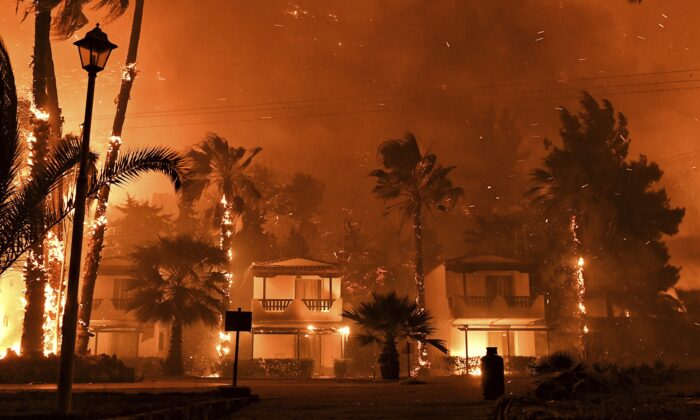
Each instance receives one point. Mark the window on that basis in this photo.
(309, 288)
(499, 285)
(122, 288)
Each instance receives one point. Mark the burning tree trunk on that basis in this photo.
(35, 275)
(99, 225)
(580, 284)
(420, 280)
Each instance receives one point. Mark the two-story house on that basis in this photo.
(297, 312)
(487, 301)
(116, 331)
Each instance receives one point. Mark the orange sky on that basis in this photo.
(207, 63)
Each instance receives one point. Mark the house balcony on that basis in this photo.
(279, 305)
(121, 304)
(498, 309)
(297, 310)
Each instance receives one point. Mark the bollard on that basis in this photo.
(492, 375)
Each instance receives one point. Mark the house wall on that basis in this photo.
(476, 282)
(287, 287)
(274, 346)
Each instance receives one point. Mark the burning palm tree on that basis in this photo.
(410, 182)
(99, 225)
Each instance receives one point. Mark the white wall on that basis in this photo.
(274, 346)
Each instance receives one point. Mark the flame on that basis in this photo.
(580, 281)
(475, 371)
(38, 113)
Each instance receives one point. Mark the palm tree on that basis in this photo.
(46, 133)
(409, 182)
(221, 168)
(175, 282)
(96, 243)
(388, 319)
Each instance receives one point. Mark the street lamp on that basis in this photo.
(94, 51)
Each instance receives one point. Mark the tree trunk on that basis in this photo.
(35, 277)
(389, 361)
(420, 283)
(173, 363)
(56, 246)
(94, 251)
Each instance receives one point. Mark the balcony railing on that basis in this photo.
(513, 301)
(318, 304)
(275, 304)
(519, 301)
(478, 300)
(121, 303)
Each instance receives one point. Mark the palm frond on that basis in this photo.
(69, 19)
(115, 8)
(134, 163)
(9, 133)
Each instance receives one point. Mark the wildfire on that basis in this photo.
(39, 114)
(475, 371)
(224, 342)
(580, 281)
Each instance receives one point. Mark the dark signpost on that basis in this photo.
(237, 321)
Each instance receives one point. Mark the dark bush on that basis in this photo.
(100, 368)
(268, 368)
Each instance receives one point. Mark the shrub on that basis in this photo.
(520, 364)
(149, 368)
(268, 368)
(340, 368)
(100, 368)
(458, 365)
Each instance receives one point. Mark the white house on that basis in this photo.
(487, 301)
(116, 331)
(297, 312)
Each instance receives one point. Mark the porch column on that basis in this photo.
(252, 343)
(466, 343)
(298, 344)
(97, 336)
(330, 288)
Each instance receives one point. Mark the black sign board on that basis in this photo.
(238, 321)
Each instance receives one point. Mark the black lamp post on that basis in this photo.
(94, 51)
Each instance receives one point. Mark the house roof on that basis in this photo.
(485, 262)
(295, 266)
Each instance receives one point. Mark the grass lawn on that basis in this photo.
(92, 405)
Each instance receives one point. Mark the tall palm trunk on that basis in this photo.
(420, 281)
(94, 251)
(56, 240)
(173, 363)
(32, 343)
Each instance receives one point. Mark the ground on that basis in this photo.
(439, 398)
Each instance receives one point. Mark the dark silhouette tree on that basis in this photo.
(410, 182)
(386, 320)
(176, 281)
(620, 212)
